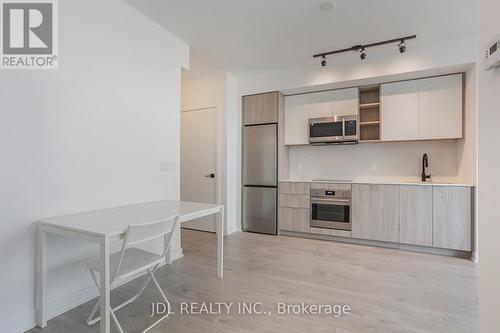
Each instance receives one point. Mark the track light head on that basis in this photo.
(363, 53)
(323, 61)
(402, 46)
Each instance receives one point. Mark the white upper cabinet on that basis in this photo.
(320, 104)
(440, 100)
(345, 102)
(340, 102)
(426, 109)
(300, 108)
(399, 111)
(296, 120)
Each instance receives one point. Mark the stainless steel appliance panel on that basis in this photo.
(328, 129)
(259, 209)
(331, 209)
(260, 155)
(334, 130)
(351, 128)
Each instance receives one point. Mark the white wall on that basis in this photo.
(374, 160)
(220, 91)
(87, 136)
(467, 157)
(488, 176)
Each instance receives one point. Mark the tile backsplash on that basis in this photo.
(387, 159)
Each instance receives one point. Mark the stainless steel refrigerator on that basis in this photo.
(260, 178)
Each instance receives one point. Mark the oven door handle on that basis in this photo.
(330, 200)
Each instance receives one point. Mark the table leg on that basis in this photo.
(220, 244)
(42, 277)
(104, 286)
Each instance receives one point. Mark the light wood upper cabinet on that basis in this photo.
(375, 212)
(345, 102)
(260, 108)
(399, 111)
(440, 107)
(415, 215)
(452, 217)
(296, 120)
(320, 104)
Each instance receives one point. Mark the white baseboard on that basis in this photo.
(20, 323)
(55, 308)
(26, 321)
(231, 229)
(176, 254)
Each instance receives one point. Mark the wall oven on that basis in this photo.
(336, 130)
(331, 209)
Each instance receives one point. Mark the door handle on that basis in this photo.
(211, 175)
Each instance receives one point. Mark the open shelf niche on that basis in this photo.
(369, 114)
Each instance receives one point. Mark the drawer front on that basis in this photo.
(331, 186)
(294, 219)
(294, 188)
(294, 201)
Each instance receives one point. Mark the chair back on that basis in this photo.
(141, 233)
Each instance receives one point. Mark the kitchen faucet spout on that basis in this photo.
(425, 164)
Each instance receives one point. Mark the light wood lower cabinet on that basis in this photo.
(294, 211)
(294, 188)
(294, 219)
(452, 217)
(424, 215)
(375, 212)
(415, 215)
(294, 201)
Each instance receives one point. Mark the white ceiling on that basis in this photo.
(244, 35)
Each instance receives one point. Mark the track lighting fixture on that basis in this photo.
(402, 46)
(362, 48)
(363, 53)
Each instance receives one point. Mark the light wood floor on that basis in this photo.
(387, 290)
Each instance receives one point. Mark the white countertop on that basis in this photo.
(384, 181)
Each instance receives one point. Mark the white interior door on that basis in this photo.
(198, 162)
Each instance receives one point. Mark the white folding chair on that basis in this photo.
(132, 262)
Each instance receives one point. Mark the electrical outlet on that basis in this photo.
(373, 166)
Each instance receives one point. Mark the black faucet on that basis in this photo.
(425, 164)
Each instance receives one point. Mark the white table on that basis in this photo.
(105, 226)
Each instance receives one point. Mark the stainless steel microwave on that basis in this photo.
(334, 130)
